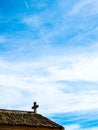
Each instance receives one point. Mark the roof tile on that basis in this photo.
(15, 117)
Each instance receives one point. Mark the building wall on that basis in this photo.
(7, 127)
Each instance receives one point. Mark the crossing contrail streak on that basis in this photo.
(37, 25)
(26, 4)
(41, 33)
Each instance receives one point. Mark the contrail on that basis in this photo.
(41, 33)
(26, 4)
(37, 25)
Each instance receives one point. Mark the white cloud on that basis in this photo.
(73, 127)
(30, 20)
(50, 69)
(77, 127)
(40, 78)
(2, 63)
(90, 7)
(2, 39)
(11, 97)
(95, 128)
(81, 67)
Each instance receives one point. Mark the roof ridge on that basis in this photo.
(8, 110)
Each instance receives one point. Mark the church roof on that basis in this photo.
(27, 118)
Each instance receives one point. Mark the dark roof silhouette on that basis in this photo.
(27, 118)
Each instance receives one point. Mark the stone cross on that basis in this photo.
(35, 107)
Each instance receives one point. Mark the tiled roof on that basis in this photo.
(15, 117)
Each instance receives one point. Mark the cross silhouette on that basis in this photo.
(35, 107)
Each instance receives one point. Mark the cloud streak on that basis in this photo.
(84, 5)
(79, 120)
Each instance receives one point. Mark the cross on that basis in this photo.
(35, 107)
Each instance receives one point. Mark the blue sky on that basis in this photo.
(49, 54)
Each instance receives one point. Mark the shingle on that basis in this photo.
(15, 117)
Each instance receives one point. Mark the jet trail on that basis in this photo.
(37, 25)
(41, 33)
(26, 4)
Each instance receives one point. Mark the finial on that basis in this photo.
(35, 107)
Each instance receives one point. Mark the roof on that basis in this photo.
(27, 118)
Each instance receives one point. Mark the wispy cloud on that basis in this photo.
(78, 120)
(77, 127)
(88, 6)
(2, 39)
(47, 74)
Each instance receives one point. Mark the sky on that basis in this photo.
(49, 54)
